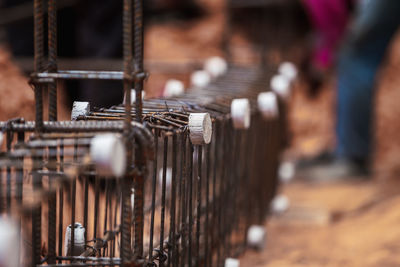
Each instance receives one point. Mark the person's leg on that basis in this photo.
(359, 61)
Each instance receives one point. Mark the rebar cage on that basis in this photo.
(142, 183)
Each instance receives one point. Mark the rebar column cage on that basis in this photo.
(177, 202)
(204, 197)
(46, 75)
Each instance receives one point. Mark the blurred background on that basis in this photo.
(346, 222)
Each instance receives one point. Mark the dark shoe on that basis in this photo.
(325, 157)
(335, 170)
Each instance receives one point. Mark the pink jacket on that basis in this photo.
(329, 19)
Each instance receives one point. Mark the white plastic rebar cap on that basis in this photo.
(108, 153)
(216, 66)
(280, 84)
(79, 109)
(79, 240)
(133, 96)
(286, 171)
(10, 243)
(173, 88)
(256, 237)
(241, 113)
(200, 128)
(280, 204)
(200, 78)
(231, 262)
(289, 70)
(268, 105)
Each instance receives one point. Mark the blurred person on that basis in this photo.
(361, 56)
(363, 50)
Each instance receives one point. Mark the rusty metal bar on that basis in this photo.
(52, 58)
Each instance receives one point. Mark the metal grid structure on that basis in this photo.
(202, 198)
(179, 201)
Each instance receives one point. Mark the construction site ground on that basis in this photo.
(335, 224)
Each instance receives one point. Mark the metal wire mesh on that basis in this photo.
(202, 199)
(178, 202)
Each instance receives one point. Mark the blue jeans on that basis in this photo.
(359, 60)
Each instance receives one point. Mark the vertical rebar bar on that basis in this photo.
(20, 181)
(126, 214)
(139, 159)
(126, 217)
(206, 223)
(128, 58)
(52, 49)
(106, 210)
(163, 194)
(220, 227)
(199, 192)
(153, 196)
(184, 178)
(36, 216)
(96, 205)
(138, 48)
(173, 254)
(39, 58)
(214, 242)
(73, 202)
(61, 204)
(10, 137)
(52, 210)
(86, 205)
(190, 204)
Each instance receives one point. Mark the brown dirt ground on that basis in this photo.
(16, 96)
(344, 224)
